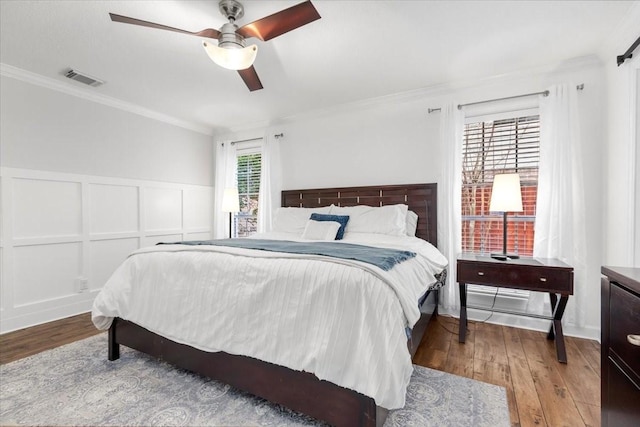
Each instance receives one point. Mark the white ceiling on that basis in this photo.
(358, 50)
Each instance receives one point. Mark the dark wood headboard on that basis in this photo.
(421, 198)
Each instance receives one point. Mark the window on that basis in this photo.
(509, 145)
(248, 177)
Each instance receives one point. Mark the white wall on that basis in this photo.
(395, 140)
(83, 184)
(45, 129)
(636, 212)
(621, 225)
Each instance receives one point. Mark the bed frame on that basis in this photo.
(300, 391)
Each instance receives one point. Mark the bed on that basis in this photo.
(297, 389)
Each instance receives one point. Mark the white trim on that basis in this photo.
(55, 313)
(508, 293)
(87, 94)
(504, 110)
(634, 111)
(248, 148)
(522, 322)
(90, 179)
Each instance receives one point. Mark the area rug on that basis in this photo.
(76, 385)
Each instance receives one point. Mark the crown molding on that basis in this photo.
(423, 94)
(68, 89)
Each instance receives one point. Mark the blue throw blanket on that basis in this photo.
(380, 257)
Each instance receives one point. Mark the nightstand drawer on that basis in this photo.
(538, 278)
(624, 312)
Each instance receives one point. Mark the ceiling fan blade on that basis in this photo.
(250, 78)
(280, 22)
(208, 33)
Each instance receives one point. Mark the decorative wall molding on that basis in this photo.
(419, 95)
(89, 94)
(64, 234)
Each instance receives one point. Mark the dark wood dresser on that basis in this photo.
(620, 357)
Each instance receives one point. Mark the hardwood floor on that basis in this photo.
(29, 341)
(540, 390)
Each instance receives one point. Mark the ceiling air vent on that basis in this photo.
(83, 78)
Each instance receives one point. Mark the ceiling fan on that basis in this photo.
(231, 51)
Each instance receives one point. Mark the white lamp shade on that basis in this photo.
(230, 200)
(231, 58)
(506, 195)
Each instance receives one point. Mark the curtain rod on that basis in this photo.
(246, 140)
(276, 136)
(543, 93)
(628, 54)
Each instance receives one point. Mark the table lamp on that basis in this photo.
(506, 196)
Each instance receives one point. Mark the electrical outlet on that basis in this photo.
(82, 284)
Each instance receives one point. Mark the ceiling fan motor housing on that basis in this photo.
(231, 9)
(229, 38)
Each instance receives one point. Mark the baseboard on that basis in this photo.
(44, 316)
(523, 322)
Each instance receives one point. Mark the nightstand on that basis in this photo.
(532, 274)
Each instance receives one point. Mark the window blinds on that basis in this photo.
(495, 147)
(248, 175)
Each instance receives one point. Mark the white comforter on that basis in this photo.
(342, 320)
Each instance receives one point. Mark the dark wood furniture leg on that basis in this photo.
(554, 303)
(114, 347)
(463, 313)
(555, 332)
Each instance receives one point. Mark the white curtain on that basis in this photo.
(560, 230)
(449, 195)
(226, 165)
(270, 181)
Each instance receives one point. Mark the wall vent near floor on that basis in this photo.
(83, 78)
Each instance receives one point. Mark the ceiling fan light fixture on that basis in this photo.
(231, 58)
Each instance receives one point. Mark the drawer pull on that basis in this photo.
(480, 273)
(634, 339)
(543, 279)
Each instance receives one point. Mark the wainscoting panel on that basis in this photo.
(46, 208)
(46, 272)
(105, 256)
(197, 208)
(163, 209)
(106, 219)
(63, 235)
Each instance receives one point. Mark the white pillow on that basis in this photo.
(390, 219)
(412, 223)
(321, 230)
(294, 220)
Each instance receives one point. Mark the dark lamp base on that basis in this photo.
(504, 257)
